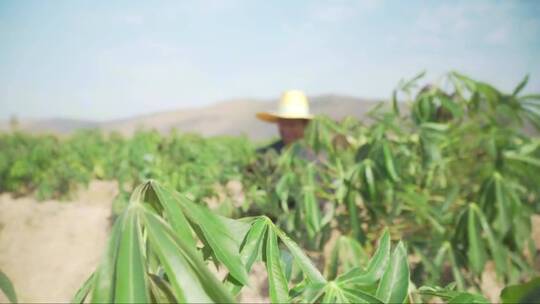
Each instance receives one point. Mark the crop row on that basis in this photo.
(454, 176)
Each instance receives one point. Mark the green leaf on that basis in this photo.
(453, 296)
(103, 291)
(237, 227)
(309, 270)
(469, 83)
(310, 292)
(368, 171)
(251, 248)
(376, 266)
(340, 297)
(282, 190)
(389, 162)
(412, 82)
(277, 283)
(84, 290)
(356, 228)
(346, 254)
(130, 285)
(160, 290)
(438, 127)
(253, 243)
(468, 298)
(496, 249)
(395, 106)
(521, 85)
(331, 267)
(7, 288)
(355, 295)
(502, 204)
(380, 259)
(522, 293)
(452, 106)
(394, 285)
(224, 243)
(190, 279)
(523, 158)
(330, 294)
(531, 97)
(491, 94)
(476, 250)
(173, 211)
(312, 213)
(456, 272)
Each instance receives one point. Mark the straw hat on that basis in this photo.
(292, 105)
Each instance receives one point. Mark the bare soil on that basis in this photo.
(535, 221)
(49, 248)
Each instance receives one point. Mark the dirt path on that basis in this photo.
(49, 248)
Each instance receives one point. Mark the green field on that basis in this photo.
(410, 207)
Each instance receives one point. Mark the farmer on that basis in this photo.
(292, 119)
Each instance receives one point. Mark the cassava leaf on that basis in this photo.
(389, 162)
(309, 270)
(497, 251)
(103, 289)
(358, 296)
(251, 248)
(190, 279)
(277, 282)
(520, 86)
(394, 285)
(161, 291)
(130, 284)
(7, 288)
(476, 250)
(224, 243)
(85, 289)
(528, 292)
(174, 213)
(375, 268)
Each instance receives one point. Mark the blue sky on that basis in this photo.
(102, 60)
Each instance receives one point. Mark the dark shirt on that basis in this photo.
(299, 151)
(276, 146)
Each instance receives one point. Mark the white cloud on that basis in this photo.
(444, 20)
(131, 19)
(498, 36)
(211, 6)
(342, 10)
(164, 48)
(463, 23)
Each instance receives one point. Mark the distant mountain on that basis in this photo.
(52, 125)
(233, 117)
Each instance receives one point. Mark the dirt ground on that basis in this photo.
(49, 248)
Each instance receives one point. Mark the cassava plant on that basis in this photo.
(451, 168)
(160, 248)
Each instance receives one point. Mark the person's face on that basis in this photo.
(292, 129)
